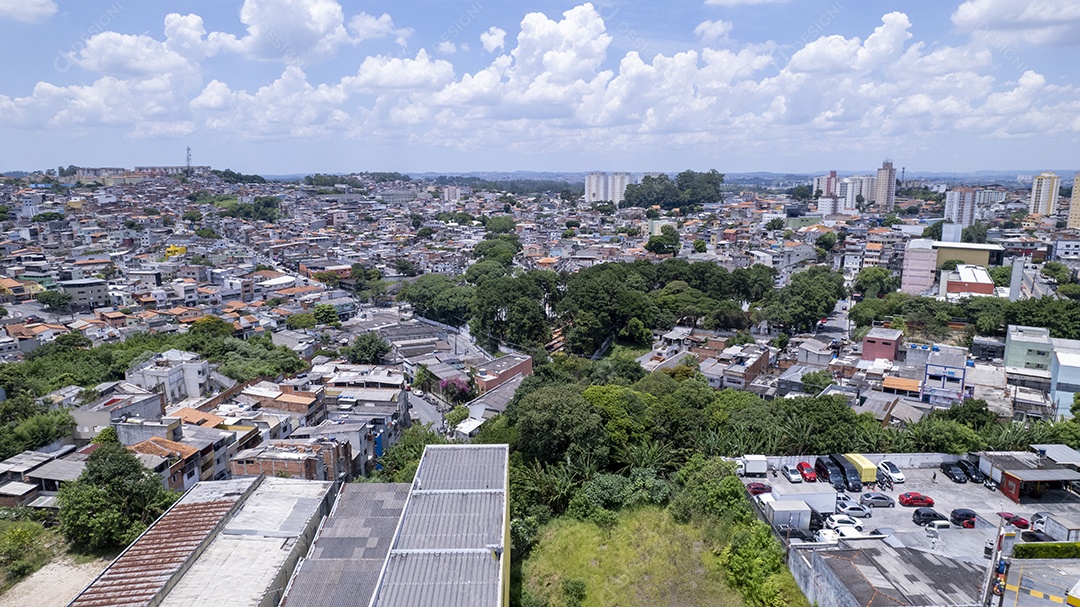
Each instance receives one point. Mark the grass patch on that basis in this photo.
(25, 547)
(646, 560)
(621, 351)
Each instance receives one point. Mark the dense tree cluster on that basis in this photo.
(231, 176)
(262, 208)
(691, 189)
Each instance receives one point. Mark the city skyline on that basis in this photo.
(282, 87)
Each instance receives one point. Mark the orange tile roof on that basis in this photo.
(198, 418)
(161, 447)
(901, 383)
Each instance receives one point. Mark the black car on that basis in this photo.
(792, 533)
(828, 471)
(954, 472)
(1035, 536)
(958, 516)
(922, 516)
(972, 471)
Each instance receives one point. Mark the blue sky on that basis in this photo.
(290, 86)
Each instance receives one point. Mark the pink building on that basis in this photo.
(882, 343)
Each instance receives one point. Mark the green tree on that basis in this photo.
(206, 233)
(1001, 275)
(826, 241)
(816, 381)
(424, 233)
(933, 232)
(1057, 271)
(775, 223)
(192, 216)
(212, 325)
(950, 264)
(875, 281)
(556, 422)
(106, 436)
(974, 233)
(330, 279)
(54, 300)
(500, 224)
(112, 501)
(1071, 290)
(367, 349)
(405, 267)
(325, 314)
(304, 320)
(665, 243)
(699, 246)
(636, 332)
(455, 416)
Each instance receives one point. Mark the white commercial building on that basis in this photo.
(920, 267)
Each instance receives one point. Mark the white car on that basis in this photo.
(849, 532)
(419, 393)
(826, 536)
(792, 474)
(843, 498)
(841, 520)
(891, 471)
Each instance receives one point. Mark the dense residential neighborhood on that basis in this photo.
(217, 328)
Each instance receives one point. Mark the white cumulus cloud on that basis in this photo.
(1042, 22)
(493, 38)
(369, 27)
(711, 31)
(27, 11)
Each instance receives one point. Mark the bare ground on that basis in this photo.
(54, 585)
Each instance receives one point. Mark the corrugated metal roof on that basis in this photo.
(144, 569)
(343, 566)
(438, 520)
(441, 580)
(451, 467)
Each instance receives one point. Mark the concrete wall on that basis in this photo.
(903, 460)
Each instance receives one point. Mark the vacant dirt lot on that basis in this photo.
(54, 585)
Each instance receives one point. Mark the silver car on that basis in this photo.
(791, 473)
(876, 499)
(854, 510)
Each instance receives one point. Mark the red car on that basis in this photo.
(1015, 520)
(807, 472)
(913, 498)
(758, 488)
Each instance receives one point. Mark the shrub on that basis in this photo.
(1049, 550)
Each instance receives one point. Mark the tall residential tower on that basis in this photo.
(1044, 193)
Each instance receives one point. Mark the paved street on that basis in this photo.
(837, 325)
(423, 411)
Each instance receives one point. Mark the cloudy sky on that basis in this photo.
(288, 86)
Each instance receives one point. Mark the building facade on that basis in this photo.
(1044, 193)
(960, 206)
(885, 187)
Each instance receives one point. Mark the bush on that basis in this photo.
(1049, 550)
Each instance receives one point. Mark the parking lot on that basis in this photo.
(947, 495)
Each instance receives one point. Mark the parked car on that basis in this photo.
(959, 516)
(1038, 520)
(914, 498)
(758, 488)
(843, 498)
(419, 393)
(1015, 520)
(855, 510)
(826, 536)
(972, 471)
(875, 499)
(1035, 536)
(849, 532)
(841, 520)
(807, 472)
(792, 474)
(793, 533)
(954, 472)
(938, 524)
(828, 471)
(891, 471)
(922, 516)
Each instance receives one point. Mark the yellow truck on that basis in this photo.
(867, 470)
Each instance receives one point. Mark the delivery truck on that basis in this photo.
(752, 465)
(867, 471)
(788, 512)
(1062, 529)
